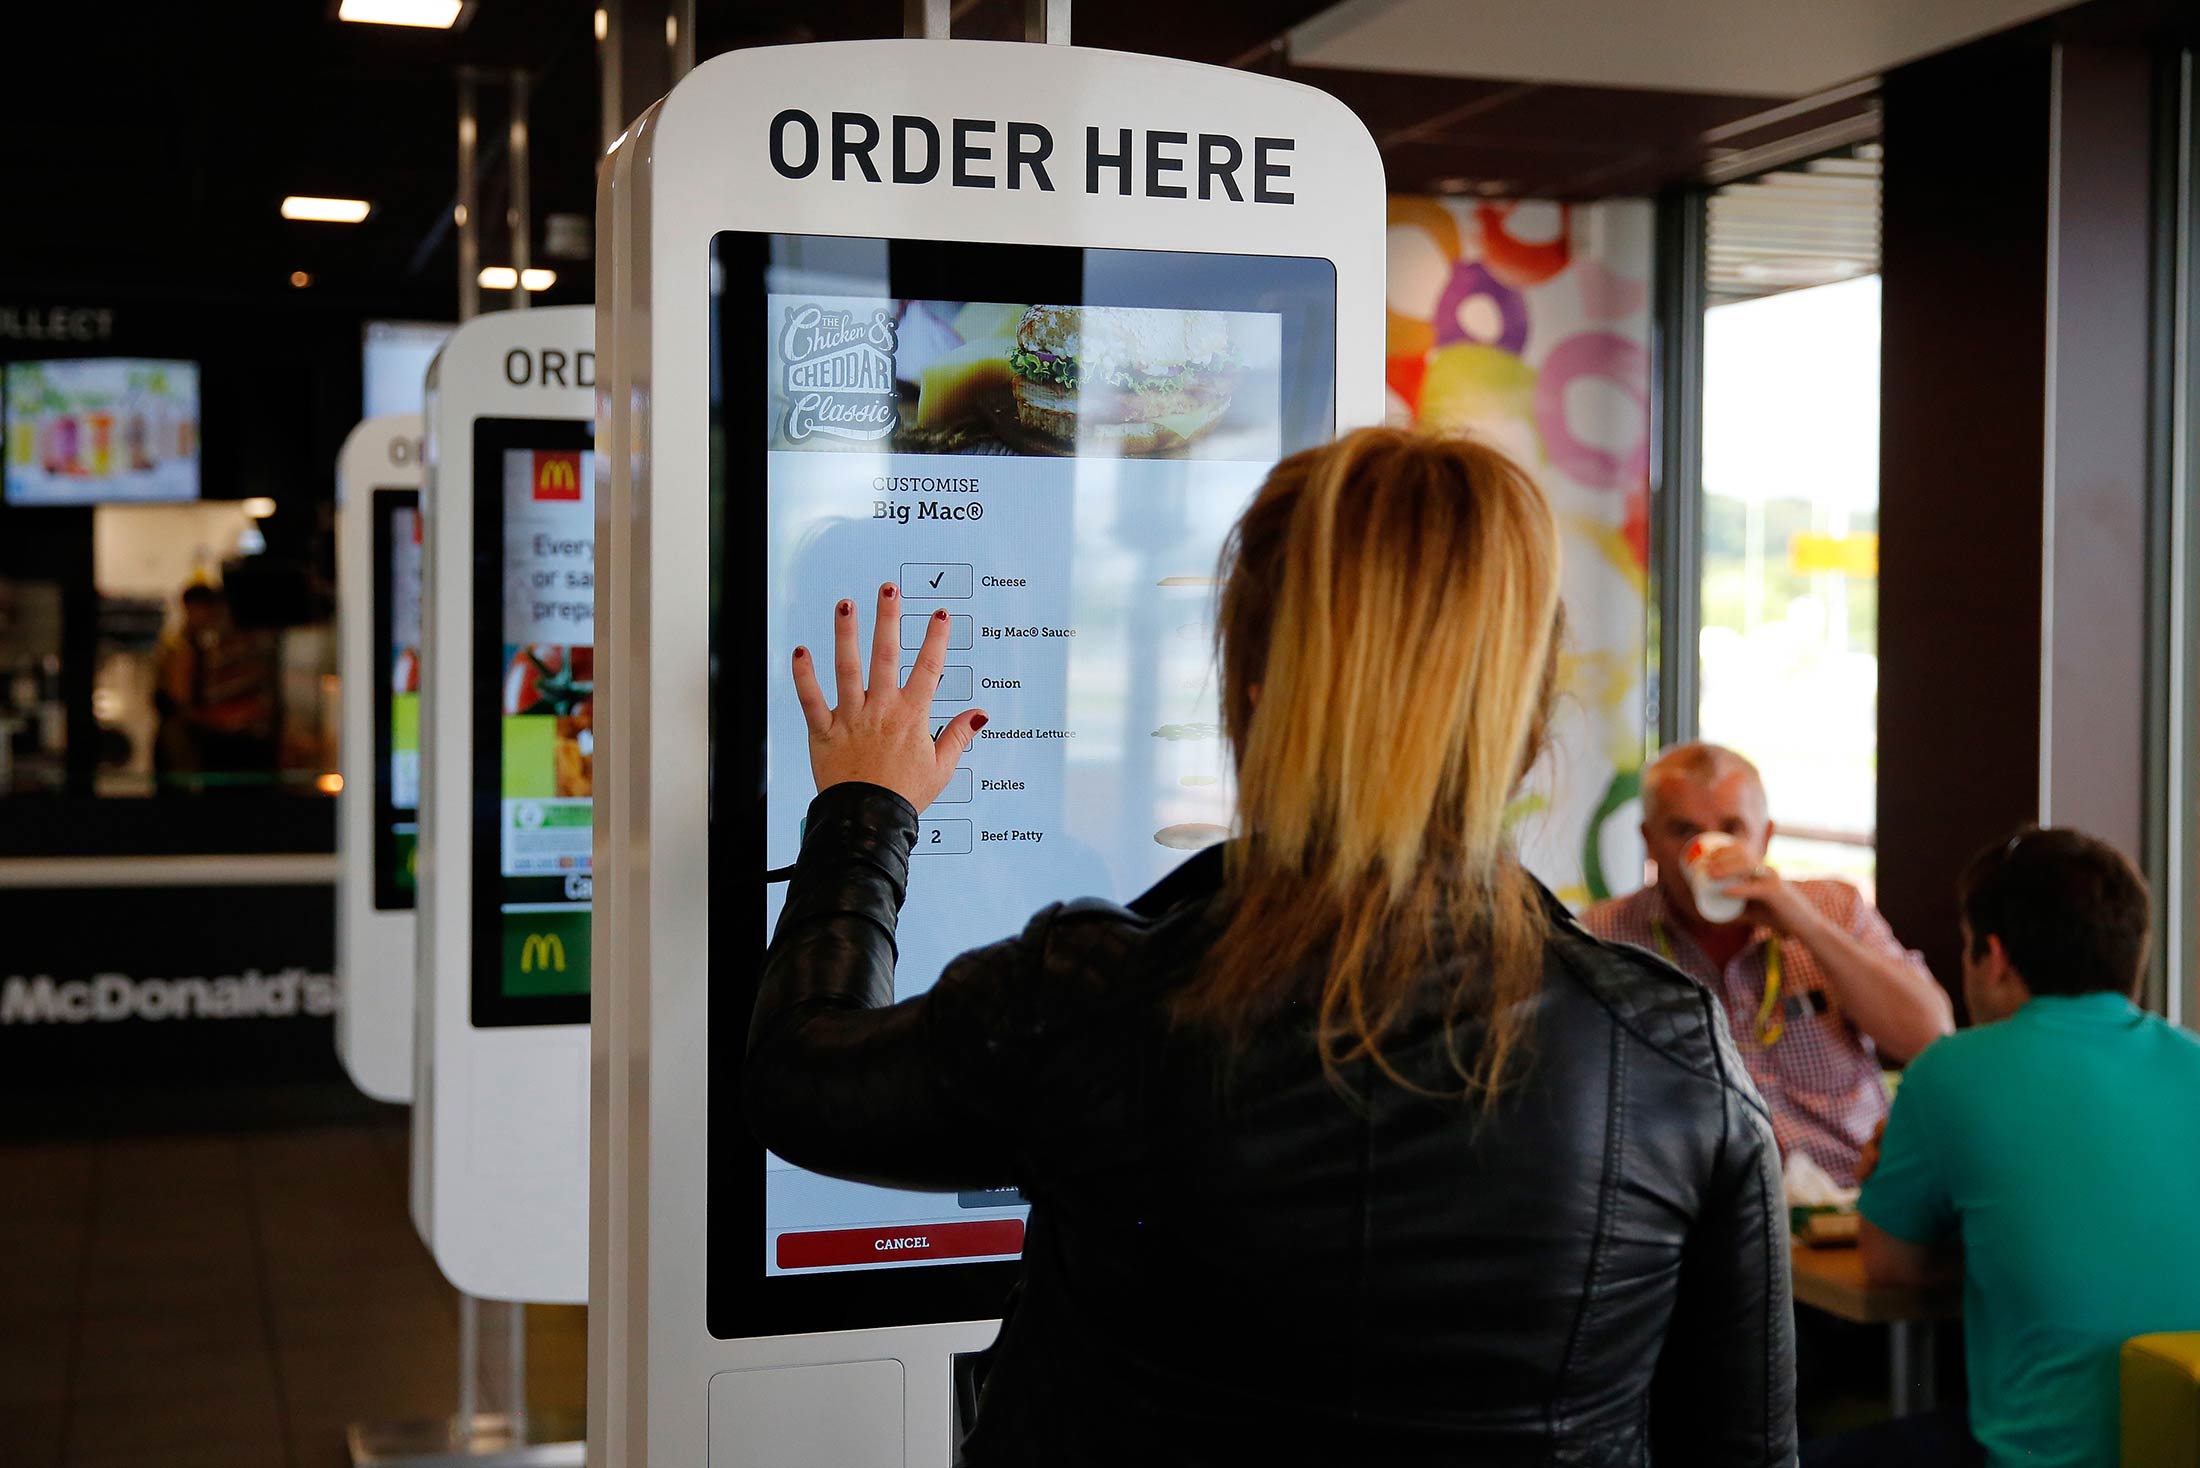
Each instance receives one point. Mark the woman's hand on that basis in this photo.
(883, 735)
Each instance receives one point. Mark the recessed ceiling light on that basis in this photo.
(505, 278)
(439, 15)
(329, 211)
(300, 279)
(1452, 185)
(603, 23)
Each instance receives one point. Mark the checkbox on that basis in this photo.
(957, 683)
(945, 580)
(962, 633)
(944, 838)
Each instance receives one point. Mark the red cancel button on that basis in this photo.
(841, 1246)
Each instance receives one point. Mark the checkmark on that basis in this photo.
(936, 580)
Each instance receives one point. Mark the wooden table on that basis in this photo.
(1832, 1280)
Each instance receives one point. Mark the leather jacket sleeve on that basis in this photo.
(840, 1079)
(1724, 1392)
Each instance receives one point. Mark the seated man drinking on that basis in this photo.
(1816, 988)
(2056, 1142)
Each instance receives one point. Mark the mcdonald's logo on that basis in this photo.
(542, 951)
(557, 476)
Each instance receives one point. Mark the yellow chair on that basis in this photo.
(2161, 1396)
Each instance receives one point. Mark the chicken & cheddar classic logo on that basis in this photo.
(837, 369)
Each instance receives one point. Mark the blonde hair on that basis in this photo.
(1388, 614)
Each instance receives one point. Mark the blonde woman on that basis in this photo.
(1344, 1144)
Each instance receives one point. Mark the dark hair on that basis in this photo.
(2071, 911)
(199, 594)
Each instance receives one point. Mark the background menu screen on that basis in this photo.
(535, 742)
(102, 430)
(397, 697)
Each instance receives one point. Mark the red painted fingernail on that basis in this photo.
(977, 723)
(887, 592)
(940, 615)
(801, 652)
(845, 608)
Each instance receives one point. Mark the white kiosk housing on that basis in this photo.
(378, 583)
(842, 294)
(500, 1116)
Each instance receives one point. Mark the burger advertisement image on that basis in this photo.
(991, 377)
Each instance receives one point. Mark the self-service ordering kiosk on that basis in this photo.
(1019, 328)
(378, 583)
(507, 704)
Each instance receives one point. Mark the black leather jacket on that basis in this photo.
(1228, 1262)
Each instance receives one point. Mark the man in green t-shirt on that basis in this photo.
(2058, 1144)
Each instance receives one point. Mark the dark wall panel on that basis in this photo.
(1962, 429)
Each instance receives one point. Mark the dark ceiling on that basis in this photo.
(157, 169)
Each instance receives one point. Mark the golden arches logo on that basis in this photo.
(542, 951)
(557, 476)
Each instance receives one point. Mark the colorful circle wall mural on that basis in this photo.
(1527, 322)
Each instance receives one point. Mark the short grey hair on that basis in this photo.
(1700, 764)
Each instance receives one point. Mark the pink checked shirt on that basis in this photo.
(1821, 1078)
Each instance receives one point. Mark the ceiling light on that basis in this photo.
(1452, 185)
(330, 784)
(300, 279)
(603, 23)
(505, 278)
(330, 211)
(259, 507)
(672, 30)
(438, 15)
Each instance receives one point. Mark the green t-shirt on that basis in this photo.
(2063, 1146)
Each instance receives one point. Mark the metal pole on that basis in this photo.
(516, 217)
(680, 36)
(469, 1365)
(515, 1363)
(647, 46)
(469, 203)
(926, 20)
(1047, 21)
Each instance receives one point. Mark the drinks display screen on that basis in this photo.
(1051, 444)
(396, 697)
(534, 686)
(102, 430)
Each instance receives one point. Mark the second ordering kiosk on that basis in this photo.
(1019, 328)
(500, 1102)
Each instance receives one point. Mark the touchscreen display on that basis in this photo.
(1050, 444)
(534, 726)
(396, 696)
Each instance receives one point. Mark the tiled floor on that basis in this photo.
(232, 1300)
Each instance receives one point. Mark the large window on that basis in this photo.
(1789, 560)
